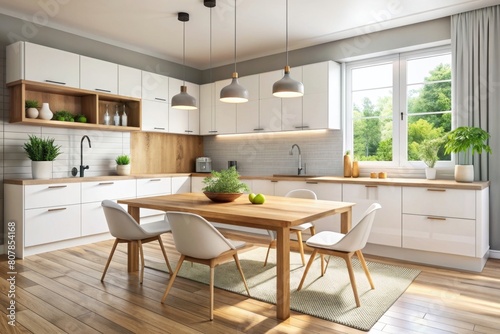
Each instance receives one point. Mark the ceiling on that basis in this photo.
(151, 26)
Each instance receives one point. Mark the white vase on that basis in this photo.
(41, 169)
(430, 173)
(45, 112)
(32, 112)
(123, 169)
(464, 173)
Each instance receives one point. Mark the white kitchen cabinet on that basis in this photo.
(266, 187)
(154, 116)
(197, 184)
(247, 114)
(153, 187)
(49, 195)
(129, 81)
(386, 229)
(225, 113)
(184, 121)
(270, 114)
(28, 61)
(207, 109)
(154, 87)
(181, 184)
(98, 75)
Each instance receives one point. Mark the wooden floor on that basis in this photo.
(61, 292)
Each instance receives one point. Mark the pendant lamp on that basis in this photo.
(286, 86)
(183, 100)
(234, 92)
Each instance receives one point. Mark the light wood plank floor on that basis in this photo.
(61, 292)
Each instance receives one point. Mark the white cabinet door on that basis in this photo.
(154, 186)
(207, 109)
(51, 66)
(225, 113)
(154, 116)
(48, 195)
(247, 114)
(129, 81)
(265, 187)
(98, 75)
(93, 219)
(154, 87)
(181, 184)
(292, 109)
(197, 184)
(183, 121)
(266, 82)
(97, 191)
(270, 114)
(386, 229)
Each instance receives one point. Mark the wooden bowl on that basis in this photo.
(222, 197)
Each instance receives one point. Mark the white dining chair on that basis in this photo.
(197, 240)
(297, 193)
(344, 246)
(125, 229)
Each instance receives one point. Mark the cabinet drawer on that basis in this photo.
(99, 191)
(456, 203)
(154, 186)
(93, 219)
(437, 234)
(51, 224)
(43, 195)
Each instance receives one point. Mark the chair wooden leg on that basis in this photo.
(212, 274)
(347, 258)
(237, 260)
(309, 263)
(271, 244)
(301, 247)
(361, 259)
(165, 254)
(172, 278)
(141, 253)
(109, 259)
(313, 230)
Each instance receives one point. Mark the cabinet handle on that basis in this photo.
(56, 209)
(61, 186)
(302, 127)
(274, 181)
(188, 131)
(56, 82)
(152, 180)
(311, 182)
(368, 186)
(102, 90)
(434, 189)
(158, 128)
(160, 99)
(212, 131)
(106, 183)
(258, 129)
(436, 218)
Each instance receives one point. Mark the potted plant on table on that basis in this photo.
(224, 186)
(42, 152)
(428, 153)
(31, 108)
(123, 165)
(468, 140)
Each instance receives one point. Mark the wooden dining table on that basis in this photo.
(277, 214)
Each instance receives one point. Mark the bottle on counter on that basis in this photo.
(355, 169)
(117, 116)
(106, 116)
(347, 164)
(124, 117)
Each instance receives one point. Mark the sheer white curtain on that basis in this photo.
(476, 87)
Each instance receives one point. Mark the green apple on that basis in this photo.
(251, 196)
(259, 199)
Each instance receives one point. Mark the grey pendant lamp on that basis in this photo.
(234, 92)
(286, 86)
(183, 100)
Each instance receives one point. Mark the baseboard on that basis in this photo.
(494, 254)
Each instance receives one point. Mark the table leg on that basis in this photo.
(133, 248)
(283, 273)
(346, 221)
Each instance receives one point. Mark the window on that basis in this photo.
(395, 104)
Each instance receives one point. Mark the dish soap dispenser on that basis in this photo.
(117, 116)
(124, 117)
(106, 116)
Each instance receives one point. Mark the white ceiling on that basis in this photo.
(151, 26)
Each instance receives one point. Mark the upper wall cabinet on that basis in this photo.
(28, 61)
(225, 113)
(184, 121)
(207, 109)
(155, 87)
(98, 75)
(129, 81)
(247, 114)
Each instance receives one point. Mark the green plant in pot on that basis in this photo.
(123, 165)
(42, 152)
(31, 108)
(467, 140)
(224, 186)
(428, 153)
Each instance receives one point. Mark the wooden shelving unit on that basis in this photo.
(77, 101)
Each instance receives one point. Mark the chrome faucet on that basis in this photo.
(82, 167)
(299, 170)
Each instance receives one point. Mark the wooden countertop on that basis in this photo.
(90, 178)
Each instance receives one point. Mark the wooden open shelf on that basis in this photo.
(76, 101)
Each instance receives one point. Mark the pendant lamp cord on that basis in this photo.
(184, 53)
(235, 35)
(286, 34)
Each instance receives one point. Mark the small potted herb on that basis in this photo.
(123, 165)
(31, 108)
(224, 186)
(42, 152)
(428, 153)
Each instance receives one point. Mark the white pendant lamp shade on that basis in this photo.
(183, 100)
(234, 92)
(286, 86)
